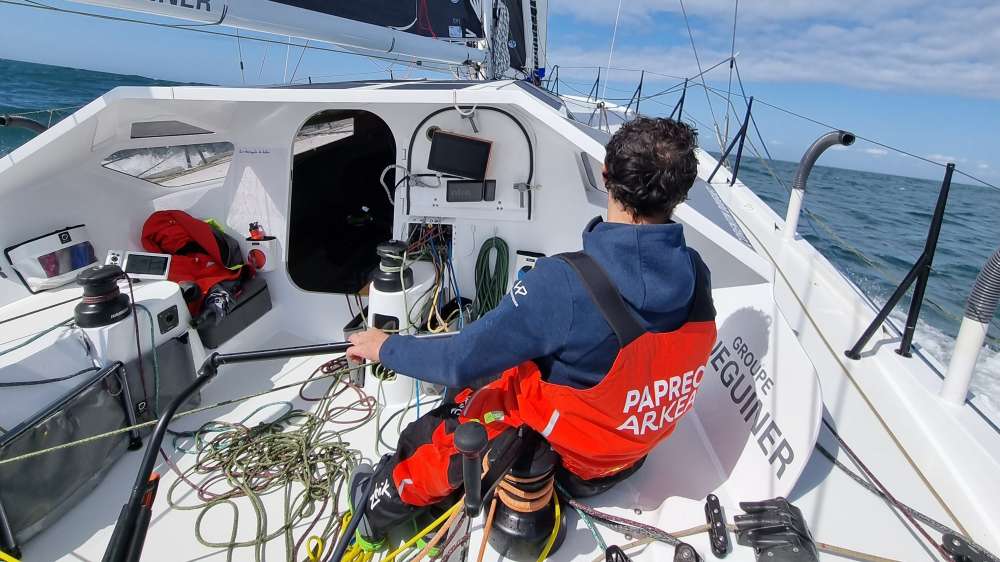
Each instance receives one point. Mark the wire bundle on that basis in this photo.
(431, 242)
(492, 269)
(301, 455)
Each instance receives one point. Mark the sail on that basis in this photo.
(444, 31)
(449, 20)
(518, 30)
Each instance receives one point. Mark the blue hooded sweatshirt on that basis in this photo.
(549, 317)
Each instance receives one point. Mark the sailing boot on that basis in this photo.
(365, 534)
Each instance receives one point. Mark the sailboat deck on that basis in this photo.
(665, 493)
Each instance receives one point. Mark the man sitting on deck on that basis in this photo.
(601, 351)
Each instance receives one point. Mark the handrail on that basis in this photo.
(979, 311)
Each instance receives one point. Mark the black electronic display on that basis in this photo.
(140, 264)
(457, 155)
(467, 191)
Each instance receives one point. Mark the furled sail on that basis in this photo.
(518, 30)
(447, 31)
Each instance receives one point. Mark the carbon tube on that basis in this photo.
(22, 123)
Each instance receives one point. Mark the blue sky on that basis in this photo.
(914, 74)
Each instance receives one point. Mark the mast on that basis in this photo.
(448, 33)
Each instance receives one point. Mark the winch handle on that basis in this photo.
(471, 440)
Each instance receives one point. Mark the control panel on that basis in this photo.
(484, 171)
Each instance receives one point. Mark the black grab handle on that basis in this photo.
(471, 441)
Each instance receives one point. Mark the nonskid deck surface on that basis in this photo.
(663, 493)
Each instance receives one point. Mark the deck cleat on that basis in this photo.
(776, 530)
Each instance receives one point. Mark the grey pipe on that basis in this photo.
(809, 158)
(23, 123)
(802, 175)
(985, 294)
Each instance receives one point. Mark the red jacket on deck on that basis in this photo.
(201, 254)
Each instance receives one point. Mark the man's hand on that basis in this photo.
(367, 344)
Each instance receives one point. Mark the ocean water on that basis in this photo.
(872, 226)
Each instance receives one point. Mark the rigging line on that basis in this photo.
(39, 6)
(652, 97)
(888, 497)
(624, 69)
(297, 63)
(861, 137)
(815, 219)
(239, 52)
(267, 48)
(697, 59)
(702, 73)
(919, 516)
(732, 63)
(611, 50)
(753, 121)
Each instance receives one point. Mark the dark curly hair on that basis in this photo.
(650, 166)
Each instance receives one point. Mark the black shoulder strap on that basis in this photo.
(607, 298)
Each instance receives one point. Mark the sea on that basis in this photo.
(872, 226)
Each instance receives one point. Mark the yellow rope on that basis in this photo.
(437, 522)
(315, 547)
(555, 532)
(4, 557)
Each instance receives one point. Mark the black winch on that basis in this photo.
(103, 303)
(520, 469)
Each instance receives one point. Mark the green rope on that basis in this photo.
(302, 456)
(491, 275)
(587, 521)
(150, 423)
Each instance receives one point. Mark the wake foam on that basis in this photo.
(985, 381)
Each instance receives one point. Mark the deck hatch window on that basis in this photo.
(186, 165)
(150, 129)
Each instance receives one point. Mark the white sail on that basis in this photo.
(316, 20)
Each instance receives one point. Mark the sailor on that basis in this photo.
(601, 351)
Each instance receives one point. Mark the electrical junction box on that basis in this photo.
(525, 262)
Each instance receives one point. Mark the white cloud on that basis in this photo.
(840, 148)
(877, 152)
(944, 158)
(983, 166)
(901, 45)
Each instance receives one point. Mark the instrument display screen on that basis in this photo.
(458, 155)
(466, 191)
(144, 264)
